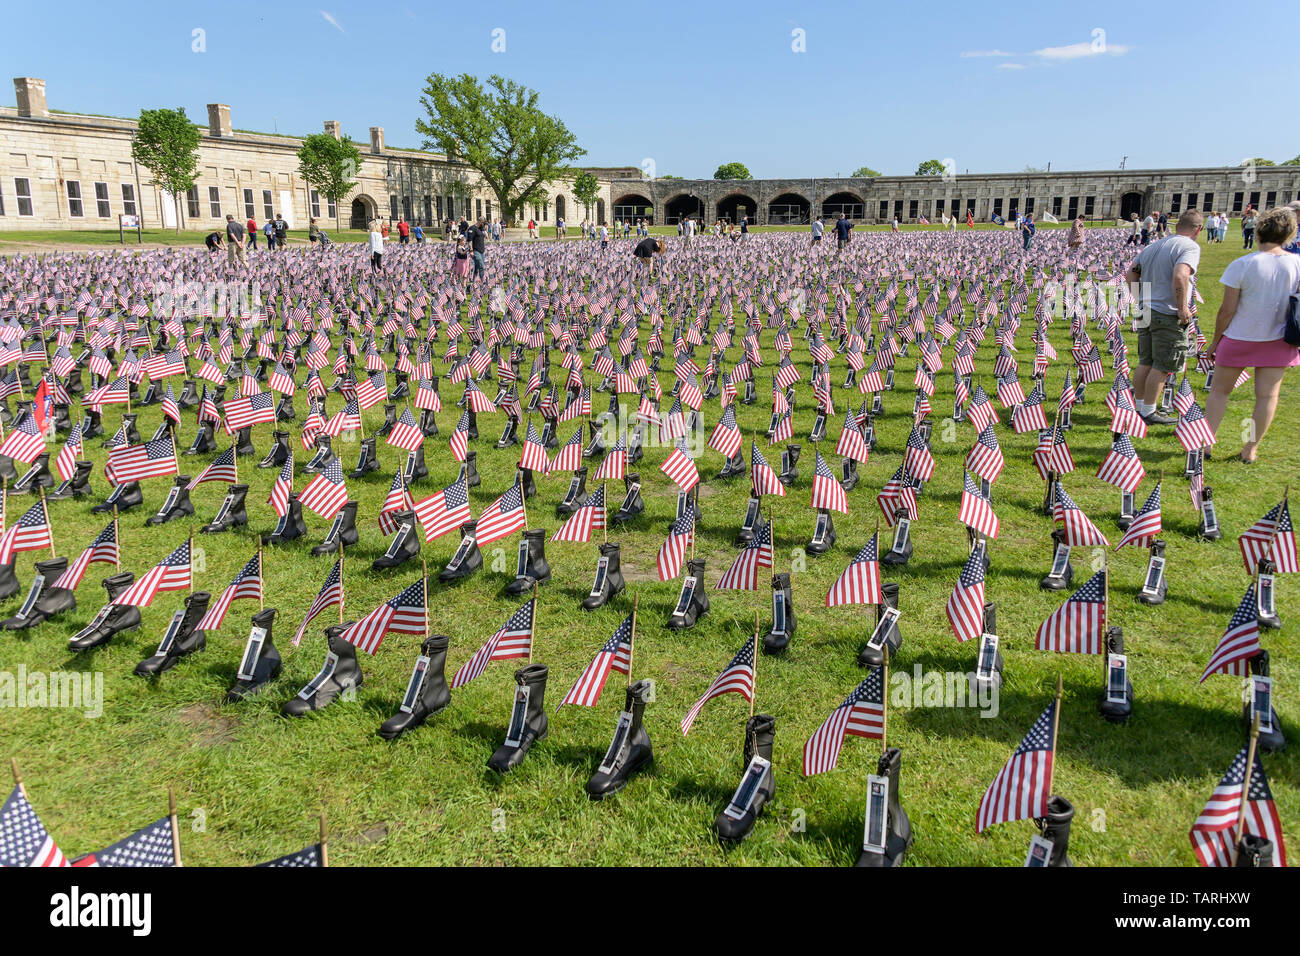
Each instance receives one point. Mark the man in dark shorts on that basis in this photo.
(477, 236)
(843, 228)
(647, 247)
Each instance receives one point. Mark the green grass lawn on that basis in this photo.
(250, 783)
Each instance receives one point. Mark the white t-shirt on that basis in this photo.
(376, 242)
(1266, 282)
(1147, 223)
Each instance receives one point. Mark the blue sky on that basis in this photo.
(691, 85)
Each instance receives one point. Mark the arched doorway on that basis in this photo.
(363, 210)
(1129, 204)
(849, 205)
(683, 207)
(788, 209)
(736, 206)
(634, 206)
(559, 208)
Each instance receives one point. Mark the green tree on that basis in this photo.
(670, 176)
(1035, 169)
(585, 188)
(931, 167)
(500, 133)
(865, 172)
(732, 171)
(331, 166)
(1292, 162)
(167, 144)
(1259, 161)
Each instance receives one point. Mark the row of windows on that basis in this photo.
(401, 207)
(999, 207)
(76, 206)
(1238, 201)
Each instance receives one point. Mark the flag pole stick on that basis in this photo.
(116, 540)
(48, 523)
(1056, 724)
(523, 499)
(324, 842)
(261, 573)
(631, 641)
(424, 570)
(532, 625)
(1245, 787)
(754, 691)
(604, 525)
(341, 592)
(18, 777)
(176, 830)
(884, 708)
(191, 557)
(234, 454)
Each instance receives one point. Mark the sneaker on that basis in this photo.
(1155, 418)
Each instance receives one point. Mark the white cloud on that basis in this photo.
(1011, 66)
(329, 18)
(987, 53)
(1075, 51)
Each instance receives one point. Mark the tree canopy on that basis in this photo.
(330, 165)
(931, 167)
(499, 131)
(866, 172)
(732, 171)
(585, 188)
(167, 144)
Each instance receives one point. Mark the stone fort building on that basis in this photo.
(63, 170)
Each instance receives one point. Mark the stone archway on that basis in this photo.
(364, 209)
(683, 206)
(1130, 203)
(634, 206)
(732, 208)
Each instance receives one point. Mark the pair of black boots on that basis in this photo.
(232, 514)
(48, 601)
(176, 505)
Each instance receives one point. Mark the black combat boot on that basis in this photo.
(467, 559)
(472, 435)
(129, 427)
(509, 434)
(1116, 711)
(527, 483)
(1056, 827)
(390, 421)
(734, 466)
(426, 692)
(1254, 851)
(152, 395)
(898, 831)
(532, 568)
(74, 384)
(527, 720)
(414, 469)
(576, 496)
(36, 477)
(609, 577)
(470, 470)
(790, 474)
(339, 677)
(734, 823)
(279, 453)
(1271, 740)
(633, 504)
(205, 440)
(112, 618)
(260, 663)
(783, 622)
(176, 505)
(342, 533)
(596, 447)
(402, 388)
(821, 544)
(189, 396)
(181, 639)
(367, 460)
(405, 544)
(875, 656)
(896, 556)
(1061, 582)
(324, 455)
(9, 585)
(62, 419)
(244, 443)
(428, 423)
(685, 615)
(629, 751)
(284, 410)
(48, 600)
(124, 497)
(850, 475)
(291, 526)
(78, 486)
(232, 512)
(91, 425)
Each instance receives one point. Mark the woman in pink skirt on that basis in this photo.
(1248, 329)
(460, 260)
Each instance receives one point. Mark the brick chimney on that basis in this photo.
(219, 120)
(30, 95)
(333, 129)
(376, 139)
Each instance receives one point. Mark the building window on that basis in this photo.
(2, 201)
(478, 209)
(439, 204)
(911, 209)
(392, 207)
(74, 199)
(1208, 205)
(1013, 206)
(428, 210)
(488, 206)
(23, 192)
(1254, 200)
(128, 199)
(1191, 200)
(103, 208)
(192, 202)
(406, 207)
(1073, 211)
(1029, 206)
(1238, 201)
(268, 206)
(884, 209)
(997, 206)
(250, 209)
(938, 207)
(898, 209)
(1056, 206)
(315, 204)
(1270, 200)
(1176, 202)
(1088, 205)
(214, 202)
(331, 209)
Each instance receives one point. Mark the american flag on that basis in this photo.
(163, 365)
(736, 678)
(222, 468)
(1079, 529)
(784, 429)
(590, 517)
(615, 654)
(426, 396)
(1184, 397)
(762, 477)
(1240, 642)
(827, 492)
(726, 437)
(917, 458)
(503, 517)
(281, 380)
(1028, 415)
(150, 846)
(311, 856)
(860, 582)
(569, 457)
(965, 606)
(976, 510)
(743, 573)
(346, 419)
(405, 614)
(116, 392)
(1010, 393)
(681, 469)
(256, 409)
(1078, 625)
(981, 411)
(172, 573)
(66, 461)
(371, 391)
(23, 840)
(1273, 532)
(31, 533)
(1053, 454)
(898, 493)
(673, 550)
(1022, 787)
(103, 550)
(477, 401)
(614, 465)
(1146, 523)
(406, 434)
(459, 442)
(1124, 416)
(153, 459)
(444, 510)
(330, 594)
(852, 444)
(514, 640)
(985, 457)
(170, 409)
(398, 500)
(327, 492)
(1192, 430)
(282, 487)
(25, 441)
(862, 714)
(246, 585)
(533, 455)
(1122, 467)
(1214, 834)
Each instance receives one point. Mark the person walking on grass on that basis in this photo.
(843, 233)
(235, 242)
(1027, 230)
(252, 232)
(1161, 281)
(376, 247)
(818, 230)
(269, 229)
(477, 236)
(1248, 329)
(1248, 229)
